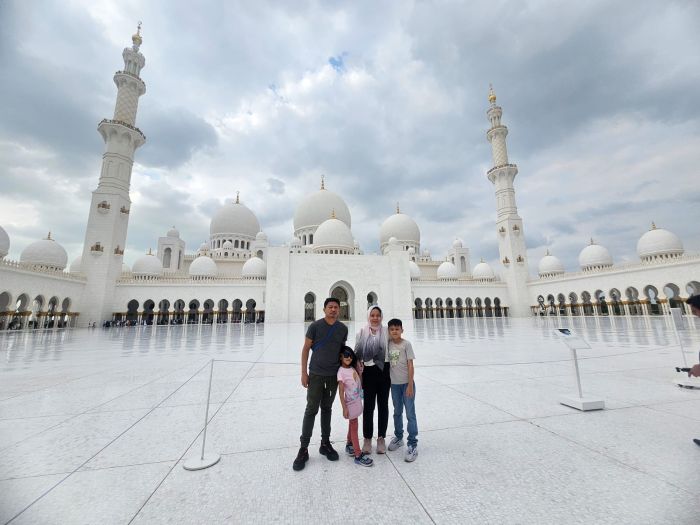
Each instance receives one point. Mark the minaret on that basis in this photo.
(509, 225)
(108, 219)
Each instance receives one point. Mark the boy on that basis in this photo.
(403, 389)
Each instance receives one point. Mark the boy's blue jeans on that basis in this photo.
(398, 396)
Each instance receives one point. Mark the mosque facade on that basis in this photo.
(239, 276)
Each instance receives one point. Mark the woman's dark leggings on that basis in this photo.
(377, 385)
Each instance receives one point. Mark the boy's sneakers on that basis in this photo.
(326, 449)
(395, 443)
(411, 453)
(301, 459)
(349, 449)
(364, 460)
(381, 446)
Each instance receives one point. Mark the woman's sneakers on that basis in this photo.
(411, 453)
(367, 446)
(364, 460)
(381, 446)
(395, 443)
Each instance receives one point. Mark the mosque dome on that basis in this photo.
(657, 243)
(411, 251)
(296, 242)
(4, 243)
(125, 268)
(333, 233)
(173, 233)
(315, 208)
(234, 218)
(549, 266)
(203, 266)
(483, 272)
(77, 265)
(594, 256)
(46, 253)
(203, 248)
(457, 244)
(254, 268)
(414, 269)
(426, 253)
(261, 236)
(227, 245)
(402, 227)
(147, 265)
(447, 270)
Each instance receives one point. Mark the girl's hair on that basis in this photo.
(346, 348)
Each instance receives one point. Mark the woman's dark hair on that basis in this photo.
(344, 349)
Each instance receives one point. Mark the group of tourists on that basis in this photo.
(381, 362)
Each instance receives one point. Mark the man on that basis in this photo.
(325, 338)
(694, 302)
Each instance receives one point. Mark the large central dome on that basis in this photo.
(234, 218)
(317, 207)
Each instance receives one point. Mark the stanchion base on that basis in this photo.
(583, 404)
(687, 383)
(197, 463)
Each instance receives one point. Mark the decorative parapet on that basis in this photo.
(122, 123)
(28, 268)
(129, 278)
(500, 167)
(124, 210)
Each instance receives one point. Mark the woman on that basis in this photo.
(371, 347)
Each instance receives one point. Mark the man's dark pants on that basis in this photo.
(321, 392)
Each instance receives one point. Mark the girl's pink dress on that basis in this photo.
(353, 391)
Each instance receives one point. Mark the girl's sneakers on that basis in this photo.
(349, 449)
(364, 460)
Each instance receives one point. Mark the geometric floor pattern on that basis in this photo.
(96, 424)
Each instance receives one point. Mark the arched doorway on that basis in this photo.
(309, 307)
(250, 311)
(223, 311)
(163, 315)
(147, 315)
(342, 292)
(179, 313)
(132, 312)
(371, 299)
(236, 307)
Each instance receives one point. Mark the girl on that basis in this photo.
(351, 398)
(371, 345)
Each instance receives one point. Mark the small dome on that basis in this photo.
(203, 266)
(457, 244)
(254, 268)
(594, 256)
(46, 253)
(411, 251)
(550, 265)
(400, 226)
(483, 272)
(148, 265)
(426, 252)
(4, 243)
(77, 265)
(173, 233)
(393, 241)
(261, 236)
(125, 268)
(234, 218)
(447, 270)
(414, 269)
(315, 208)
(296, 242)
(659, 243)
(333, 233)
(228, 245)
(203, 247)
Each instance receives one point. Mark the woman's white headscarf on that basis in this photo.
(367, 352)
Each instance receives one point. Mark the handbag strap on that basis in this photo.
(328, 334)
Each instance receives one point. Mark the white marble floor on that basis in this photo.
(95, 426)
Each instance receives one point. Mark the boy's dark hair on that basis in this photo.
(331, 300)
(395, 322)
(346, 348)
(694, 300)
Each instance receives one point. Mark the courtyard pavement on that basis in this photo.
(95, 425)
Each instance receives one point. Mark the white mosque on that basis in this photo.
(238, 276)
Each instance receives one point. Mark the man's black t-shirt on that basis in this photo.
(325, 356)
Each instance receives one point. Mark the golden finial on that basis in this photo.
(546, 253)
(238, 197)
(150, 252)
(48, 237)
(653, 225)
(323, 182)
(333, 213)
(592, 241)
(482, 259)
(398, 210)
(492, 94)
(136, 38)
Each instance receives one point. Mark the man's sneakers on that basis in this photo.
(697, 442)
(301, 459)
(364, 460)
(349, 449)
(326, 449)
(395, 443)
(411, 453)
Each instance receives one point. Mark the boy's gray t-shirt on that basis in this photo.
(399, 354)
(325, 358)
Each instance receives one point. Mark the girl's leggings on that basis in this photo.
(352, 437)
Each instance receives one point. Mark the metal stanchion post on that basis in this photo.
(204, 460)
(581, 403)
(676, 321)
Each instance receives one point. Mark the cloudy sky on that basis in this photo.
(387, 99)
